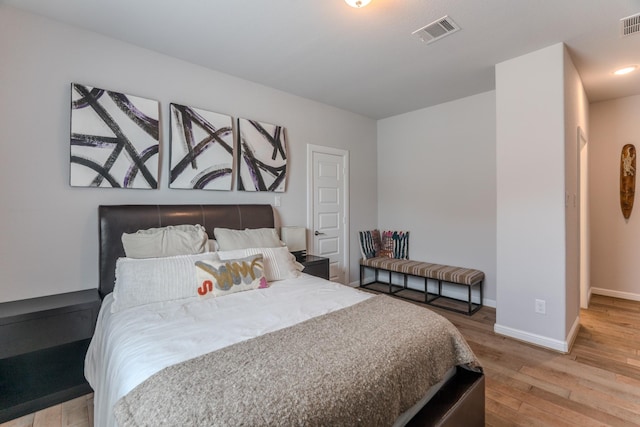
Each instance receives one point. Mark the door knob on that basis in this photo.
(317, 233)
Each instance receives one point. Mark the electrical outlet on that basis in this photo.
(276, 202)
(541, 306)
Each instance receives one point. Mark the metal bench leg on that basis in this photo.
(426, 290)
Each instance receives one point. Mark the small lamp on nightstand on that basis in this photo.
(296, 240)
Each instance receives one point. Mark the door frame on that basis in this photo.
(584, 260)
(311, 150)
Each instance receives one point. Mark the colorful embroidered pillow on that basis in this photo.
(386, 248)
(218, 278)
(279, 263)
(370, 244)
(395, 244)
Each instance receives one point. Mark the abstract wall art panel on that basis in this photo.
(201, 149)
(114, 139)
(262, 165)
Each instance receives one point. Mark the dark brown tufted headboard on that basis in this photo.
(115, 220)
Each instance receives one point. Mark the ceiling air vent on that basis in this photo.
(437, 30)
(630, 25)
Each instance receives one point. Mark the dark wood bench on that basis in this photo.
(468, 277)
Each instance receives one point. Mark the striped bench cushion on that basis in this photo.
(447, 273)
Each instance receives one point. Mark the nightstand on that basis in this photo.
(43, 342)
(315, 265)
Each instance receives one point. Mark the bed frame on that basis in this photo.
(459, 402)
(115, 220)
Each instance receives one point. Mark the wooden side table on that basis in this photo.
(316, 266)
(43, 342)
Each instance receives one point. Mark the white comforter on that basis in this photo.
(131, 345)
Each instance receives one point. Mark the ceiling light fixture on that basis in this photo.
(625, 70)
(357, 3)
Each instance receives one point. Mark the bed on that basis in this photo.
(303, 351)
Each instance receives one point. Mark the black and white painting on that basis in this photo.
(262, 164)
(201, 149)
(114, 139)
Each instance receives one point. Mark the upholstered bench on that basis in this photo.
(442, 273)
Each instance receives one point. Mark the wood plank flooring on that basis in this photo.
(73, 413)
(597, 384)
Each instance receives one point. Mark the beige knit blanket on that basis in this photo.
(362, 365)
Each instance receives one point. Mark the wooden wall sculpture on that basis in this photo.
(627, 179)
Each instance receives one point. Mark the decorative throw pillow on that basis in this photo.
(166, 241)
(395, 244)
(217, 278)
(229, 239)
(148, 280)
(401, 244)
(279, 263)
(386, 248)
(370, 243)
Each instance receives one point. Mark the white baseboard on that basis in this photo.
(573, 334)
(489, 302)
(586, 303)
(542, 341)
(615, 294)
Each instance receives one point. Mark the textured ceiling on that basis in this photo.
(366, 60)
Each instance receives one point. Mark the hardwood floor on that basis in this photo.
(73, 413)
(597, 384)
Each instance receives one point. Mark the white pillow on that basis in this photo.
(229, 239)
(166, 241)
(144, 281)
(279, 263)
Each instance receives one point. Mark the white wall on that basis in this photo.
(615, 242)
(530, 196)
(437, 179)
(48, 230)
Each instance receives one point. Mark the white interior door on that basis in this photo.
(328, 208)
